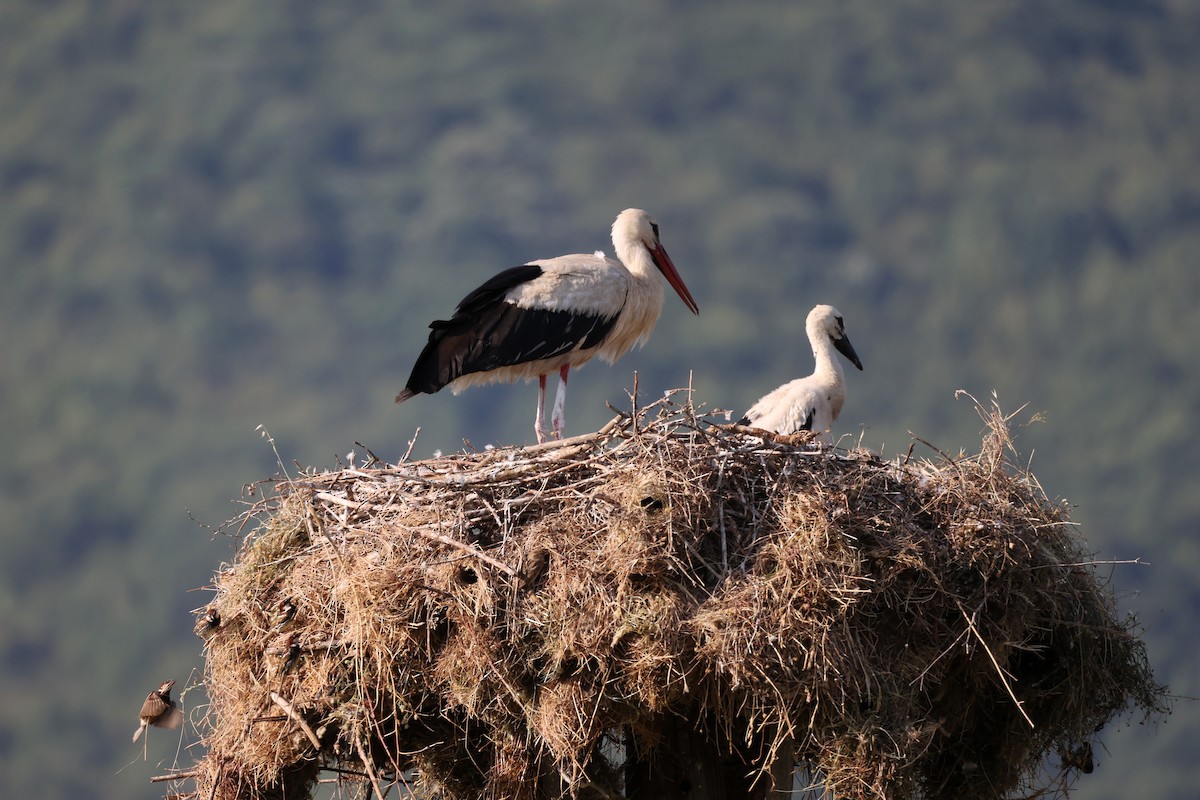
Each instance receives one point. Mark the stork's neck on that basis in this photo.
(631, 251)
(825, 355)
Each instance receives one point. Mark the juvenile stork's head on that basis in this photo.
(827, 321)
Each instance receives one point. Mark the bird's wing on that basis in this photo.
(788, 409)
(170, 720)
(433, 370)
(502, 335)
(495, 288)
(489, 330)
(154, 707)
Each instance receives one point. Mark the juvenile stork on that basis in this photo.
(811, 403)
(552, 314)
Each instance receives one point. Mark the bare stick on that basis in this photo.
(411, 444)
(783, 768)
(633, 411)
(581, 439)
(934, 448)
(339, 771)
(466, 548)
(370, 770)
(337, 551)
(351, 504)
(996, 664)
(217, 782)
(177, 776)
(296, 718)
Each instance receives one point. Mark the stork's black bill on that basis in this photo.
(845, 348)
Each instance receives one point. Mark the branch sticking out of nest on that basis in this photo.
(525, 622)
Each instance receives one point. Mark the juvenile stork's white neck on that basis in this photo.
(828, 368)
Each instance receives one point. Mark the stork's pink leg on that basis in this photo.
(539, 422)
(558, 416)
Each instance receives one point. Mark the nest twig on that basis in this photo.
(524, 622)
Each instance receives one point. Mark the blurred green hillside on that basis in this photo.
(218, 215)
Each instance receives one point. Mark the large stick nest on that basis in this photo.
(472, 624)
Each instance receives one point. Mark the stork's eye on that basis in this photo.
(654, 227)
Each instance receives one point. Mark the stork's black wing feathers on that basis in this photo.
(487, 332)
(494, 289)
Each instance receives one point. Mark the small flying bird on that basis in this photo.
(159, 710)
(814, 402)
(552, 314)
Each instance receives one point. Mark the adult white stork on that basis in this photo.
(811, 403)
(552, 314)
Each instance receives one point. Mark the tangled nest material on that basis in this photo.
(529, 622)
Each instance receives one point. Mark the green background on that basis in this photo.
(218, 215)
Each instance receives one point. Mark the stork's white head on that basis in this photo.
(635, 235)
(635, 225)
(826, 320)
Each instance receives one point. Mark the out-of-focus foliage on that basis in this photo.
(222, 214)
